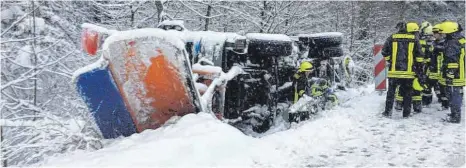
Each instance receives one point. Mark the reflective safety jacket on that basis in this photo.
(453, 64)
(404, 55)
(321, 88)
(427, 47)
(436, 61)
(300, 85)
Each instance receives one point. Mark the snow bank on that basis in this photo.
(264, 36)
(195, 140)
(324, 34)
(352, 135)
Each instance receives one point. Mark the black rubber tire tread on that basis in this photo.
(322, 41)
(327, 52)
(257, 48)
(333, 52)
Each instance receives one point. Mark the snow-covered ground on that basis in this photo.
(353, 134)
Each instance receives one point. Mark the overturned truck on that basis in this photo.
(147, 77)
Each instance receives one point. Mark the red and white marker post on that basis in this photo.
(380, 71)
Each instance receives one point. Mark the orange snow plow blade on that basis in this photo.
(164, 84)
(153, 79)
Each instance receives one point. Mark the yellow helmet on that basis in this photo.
(416, 85)
(448, 27)
(412, 27)
(305, 66)
(437, 28)
(426, 28)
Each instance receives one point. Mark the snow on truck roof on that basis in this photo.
(264, 36)
(173, 37)
(324, 34)
(212, 36)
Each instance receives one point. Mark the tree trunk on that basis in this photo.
(263, 17)
(207, 19)
(35, 57)
(159, 6)
(225, 18)
(338, 18)
(133, 12)
(352, 27)
(2, 156)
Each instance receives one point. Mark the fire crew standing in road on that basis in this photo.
(453, 69)
(403, 53)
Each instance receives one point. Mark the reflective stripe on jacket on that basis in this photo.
(404, 54)
(454, 62)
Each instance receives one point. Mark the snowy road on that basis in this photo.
(353, 135)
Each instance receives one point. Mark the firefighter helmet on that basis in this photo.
(448, 27)
(412, 27)
(437, 28)
(305, 66)
(426, 28)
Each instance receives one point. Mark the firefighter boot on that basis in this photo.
(398, 105)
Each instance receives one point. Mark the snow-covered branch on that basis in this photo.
(18, 21)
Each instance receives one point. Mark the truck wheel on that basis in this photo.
(321, 40)
(325, 52)
(332, 52)
(327, 41)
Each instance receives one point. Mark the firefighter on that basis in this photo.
(435, 78)
(348, 69)
(427, 44)
(301, 87)
(402, 51)
(453, 67)
(419, 97)
(319, 87)
(321, 90)
(300, 80)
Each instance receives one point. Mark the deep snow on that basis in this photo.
(353, 134)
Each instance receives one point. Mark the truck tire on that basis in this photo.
(266, 48)
(321, 41)
(326, 41)
(327, 52)
(330, 52)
